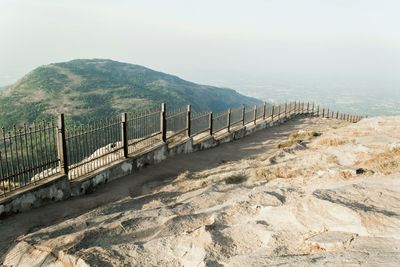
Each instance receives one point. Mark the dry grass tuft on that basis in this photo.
(235, 179)
(360, 133)
(332, 159)
(333, 141)
(187, 175)
(386, 162)
(346, 174)
(298, 137)
(274, 172)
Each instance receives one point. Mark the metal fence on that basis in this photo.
(220, 121)
(249, 115)
(282, 109)
(260, 111)
(268, 111)
(143, 130)
(200, 123)
(236, 116)
(176, 121)
(92, 146)
(29, 154)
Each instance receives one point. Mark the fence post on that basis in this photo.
(293, 108)
(286, 110)
(188, 122)
(62, 145)
(279, 112)
(124, 134)
(243, 114)
(264, 110)
(272, 113)
(163, 123)
(308, 107)
(228, 121)
(210, 122)
(255, 115)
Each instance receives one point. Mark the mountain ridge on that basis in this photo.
(89, 89)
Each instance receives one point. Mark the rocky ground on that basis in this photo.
(322, 193)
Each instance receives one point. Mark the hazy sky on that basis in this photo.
(225, 42)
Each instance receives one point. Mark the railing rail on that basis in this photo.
(200, 122)
(93, 145)
(220, 121)
(249, 115)
(236, 116)
(29, 154)
(143, 129)
(176, 122)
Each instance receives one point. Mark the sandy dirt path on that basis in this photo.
(131, 186)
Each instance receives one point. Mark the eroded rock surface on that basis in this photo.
(290, 207)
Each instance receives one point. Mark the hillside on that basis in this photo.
(87, 89)
(332, 199)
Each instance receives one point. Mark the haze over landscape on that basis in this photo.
(344, 54)
(165, 133)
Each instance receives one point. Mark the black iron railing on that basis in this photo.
(29, 154)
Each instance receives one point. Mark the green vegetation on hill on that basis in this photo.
(91, 89)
